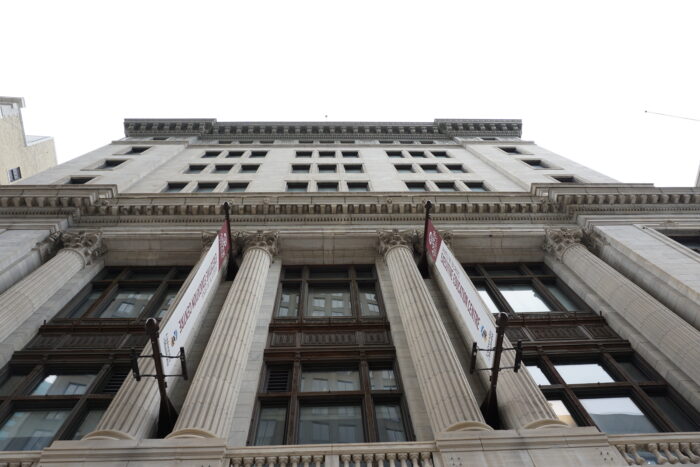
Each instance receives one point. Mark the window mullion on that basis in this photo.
(293, 407)
(368, 404)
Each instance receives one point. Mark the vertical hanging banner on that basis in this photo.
(472, 313)
(181, 325)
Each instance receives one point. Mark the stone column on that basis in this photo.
(670, 334)
(210, 402)
(448, 398)
(22, 299)
(134, 410)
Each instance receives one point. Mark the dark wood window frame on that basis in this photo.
(360, 355)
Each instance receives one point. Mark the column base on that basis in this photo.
(191, 433)
(109, 434)
(469, 426)
(547, 423)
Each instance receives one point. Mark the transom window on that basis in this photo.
(322, 293)
(523, 288)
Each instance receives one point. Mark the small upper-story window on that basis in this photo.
(78, 180)
(297, 186)
(446, 186)
(303, 154)
(431, 169)
(205, 187)
(110, 164)
(476, 186)
(416, 186)
(211, 154)
(688, 241)
(301, 168)
(249, 168)
(174, 187)
(327, 186)
(440, 154)
(326, 153)
(419, 154)
(222, 169)
(404, 168)
(536, 163)
(457, 168)
(258, 154)
(325, 168)
(236, 187)
(234, 154)
(136, 150)
(350, 154)
(353, 168)
(195, 169)
(564, 178)
(358, 186)
(14, 174)
(395, 154)
(510, 150)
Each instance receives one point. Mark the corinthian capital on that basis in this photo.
(557, 241)
(49, 246)
(389, 239)
(265, 240)
(88, 245)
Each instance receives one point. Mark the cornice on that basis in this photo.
(281, 130)
(100, 204)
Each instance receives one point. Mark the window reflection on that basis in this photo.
(31, 430)
(289, 303)
(330, 380)
(562, 297)
(326, 302)
(330, 424)
(271, 426)
(383, 380)
(618, 415)
(522, 298)
(390, 423)
(92, 418)
(562, 412)
(486, 297)
(128, 303)
(85, 304)
(369, 303)
(538, 375)
(584, 373)
(63, 385)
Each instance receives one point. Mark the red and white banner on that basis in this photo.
(472, 314)
(182, 324)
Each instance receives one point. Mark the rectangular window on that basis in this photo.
(14, 174)
(358, 186)
(258, 154)
(536, 164)
(301, 169)
(62, 385)
(353, 169)
(350, 154)
(441, 154)
(476, 186)
(425, 141)
(205, 187)
(618, 415)
(136, 150)
(78, 180)
(234, 154)
(328, 301)
(128, 303)
(404, 168)
(419, 154)
(390, 423)
(303, 154)
(195, 169)
(431, 169)
(110, 164)
(30, 430)
(249, 169)
(330, 380)
(455, 168)
(565, 179)
(326, 169)
(271, 426)
(446, 186)
(222, 169)
(327, 186)
(211, 154)
(416, 186)
(395, 154)
(236, 187)
(510, 150)
(174, 187)
(90, 421)
(326, 153)
(297, 187)
(330, 424)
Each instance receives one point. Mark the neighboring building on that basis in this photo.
(21, 155)
(328, 347)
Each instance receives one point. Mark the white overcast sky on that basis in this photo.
(579, 74)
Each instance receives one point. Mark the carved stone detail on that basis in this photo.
(88, 245)
(49, 246)
(265, 240)
(389, 239)
(207, 240)
(557, 241)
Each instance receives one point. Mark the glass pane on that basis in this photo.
(271, 426)
(675, 413)
(128, 303)
(63, 385)
(167, 301)
(618, 415)
(562, 297)
(86, 303)
(147, 275)
(89, 423)
(31, 430)
(486, 297)
(633, 371)
(289, 303)
(383, 380)
(369, 302)
(503, 271)
(562, 412)
(330, 424)
(523, 298)
(326, 302)
(584, 373)
(10, 384)
(538, 375)
(330, 380)
(390, 423)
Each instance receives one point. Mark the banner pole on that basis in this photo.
(423, 263)
(231, 268)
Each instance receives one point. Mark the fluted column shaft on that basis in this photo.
(448, 398)
(673, 337)
(209, 406)
(21, 300)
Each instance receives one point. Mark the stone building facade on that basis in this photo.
(21, 155)
(328, 346)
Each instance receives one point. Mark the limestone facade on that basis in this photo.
(623, 295)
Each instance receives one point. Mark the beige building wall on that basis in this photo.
(31, 154)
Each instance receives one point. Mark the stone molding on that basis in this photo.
(389, 239)
(88, 245)
(558, 241)
(264, 240)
